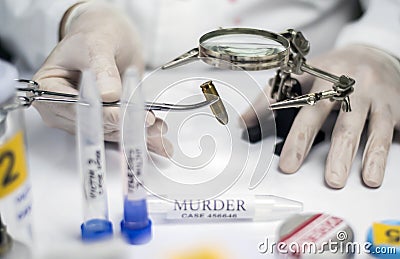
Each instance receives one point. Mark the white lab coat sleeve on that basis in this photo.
(378, 27)
(29, 28)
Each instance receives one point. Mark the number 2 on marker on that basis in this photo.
(13, 171)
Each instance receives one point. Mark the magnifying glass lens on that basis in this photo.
(243, 45)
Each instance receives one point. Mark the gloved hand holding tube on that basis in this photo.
(96, 36)
(375, 100)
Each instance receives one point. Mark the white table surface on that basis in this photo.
(58, 213)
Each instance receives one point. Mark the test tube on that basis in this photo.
(135, 226)
(90, 141)
(227, 208)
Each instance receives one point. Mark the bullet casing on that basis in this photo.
(217, 108)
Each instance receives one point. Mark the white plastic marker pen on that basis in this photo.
(90, 141)
(233, 207)
(135, 226)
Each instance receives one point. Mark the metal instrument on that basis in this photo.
(34, 94)
(253, 49)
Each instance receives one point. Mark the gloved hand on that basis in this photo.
(376, 98)
(98, 37)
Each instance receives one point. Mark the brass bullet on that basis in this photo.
(217, 108)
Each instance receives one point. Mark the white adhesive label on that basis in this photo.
(94, 172)
(213, 209)
(134, 170)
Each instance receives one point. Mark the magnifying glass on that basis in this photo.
(253, 49)
(243, 48)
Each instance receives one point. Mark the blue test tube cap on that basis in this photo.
(96, 229)
(377, 250)
(136, 225)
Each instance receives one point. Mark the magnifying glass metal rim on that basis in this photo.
(237, 61)
(261, 62)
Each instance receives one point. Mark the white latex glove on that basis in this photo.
(376, 98)
(100, 38)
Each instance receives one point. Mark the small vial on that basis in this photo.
(91, 161)
(10, 248)
(15, 187)
(218, 107)
(226, 208)
(135, 226)
(5, 239)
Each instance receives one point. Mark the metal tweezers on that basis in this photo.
(44, 96)
(307, 99)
